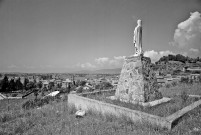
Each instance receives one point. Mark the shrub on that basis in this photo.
(14, 95)
(38, 102)
(4, 117)
(199, 78)
(174, 83)
(79, 90)
(184, 96)
(184, 80)
(167, 85)
(71, 109)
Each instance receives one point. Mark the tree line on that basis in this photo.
(7, 85)
(178, 57)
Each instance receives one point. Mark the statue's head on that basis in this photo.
(139, 22)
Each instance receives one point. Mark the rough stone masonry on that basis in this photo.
(137, 82)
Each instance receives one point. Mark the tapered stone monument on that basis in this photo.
(137, 82)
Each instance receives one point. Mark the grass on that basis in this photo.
(58, 118)
(163, 110)
(194, 89)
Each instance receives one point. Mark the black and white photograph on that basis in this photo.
(100, 67)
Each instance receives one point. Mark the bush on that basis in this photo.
(184, 96)
(167, 85)
(37, 102)
(79, 90)
(184, 80)
(199, 78)
(174, 83)
(14, 95)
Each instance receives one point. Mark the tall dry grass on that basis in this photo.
(58, 118)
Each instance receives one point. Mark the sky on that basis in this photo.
(72, 35)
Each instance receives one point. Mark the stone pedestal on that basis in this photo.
(137, 82)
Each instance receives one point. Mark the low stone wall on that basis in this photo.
(86, 103)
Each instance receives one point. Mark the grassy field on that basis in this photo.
(57, 118)
(194, 89)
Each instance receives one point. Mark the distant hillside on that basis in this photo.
(180, 58)
(101, 71)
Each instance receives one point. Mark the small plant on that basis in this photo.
(199, 78)
(174, 83)
(167, 85)
(5, 117)
(14, 95)
(79, 90)
(37, 102)
(184, 96)
(71, 109)
(184, 80)
(191, 81)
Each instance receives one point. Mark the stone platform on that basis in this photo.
(137, 82)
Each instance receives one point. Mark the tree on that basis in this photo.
(39, 85)
(59, 85)
(18, 84)
(82, 83)
(106, 85)
(26, 81)
(51, 85)
(171, 57)
(181, 58)
(5, 84)
(12, 85)
(30, 85)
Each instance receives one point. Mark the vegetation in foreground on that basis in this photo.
(58, 118)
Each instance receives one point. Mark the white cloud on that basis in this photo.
(155, 56)
(106, 62)
(119, 57)
(102, 60)
(46, 66)
(12, 66)
(188, 32)
(194, 50)
(86, 65)
(28, 67)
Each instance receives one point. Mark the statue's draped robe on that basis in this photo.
(137, 39)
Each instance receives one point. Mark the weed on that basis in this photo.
(71, 109)
(184, 96)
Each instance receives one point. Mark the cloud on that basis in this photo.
(86, 65)
(119, 57)
(188, 32)
(194, 50)
(12, 66)
(46, 66)
(102, 60)
(28, 67)
(114, 62)
(155, 56)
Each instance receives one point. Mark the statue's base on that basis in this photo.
(135, 81)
